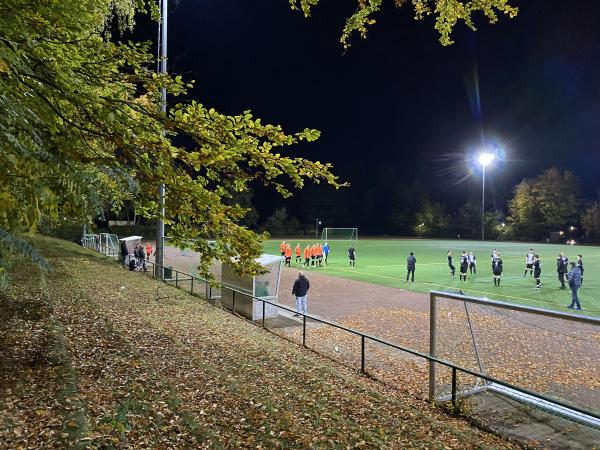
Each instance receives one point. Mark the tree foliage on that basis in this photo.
(447, 14)
(547, 203)
(82, 127)
(590, 221)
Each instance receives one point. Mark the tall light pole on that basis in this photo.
(317, 223)
(160, 222)
(484, 159)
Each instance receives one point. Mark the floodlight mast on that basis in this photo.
(484, 159)
(160, 222)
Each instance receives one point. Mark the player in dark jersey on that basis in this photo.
(537, 271)
(497, 269)
(562, 267)
(529, 262)
(351, 255)
(464, 266)
(580, 265)
(452, 268)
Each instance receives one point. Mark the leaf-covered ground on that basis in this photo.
(90, 358)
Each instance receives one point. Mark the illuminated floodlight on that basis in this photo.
(503, 224)
(486, 158)
(561, 233)
(572, 228)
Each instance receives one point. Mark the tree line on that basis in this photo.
(549, 203)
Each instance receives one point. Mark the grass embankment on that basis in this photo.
(90, 358)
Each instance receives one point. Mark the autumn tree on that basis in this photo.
(590, 221)
(81, 127)
(447, 14)
(547, 203)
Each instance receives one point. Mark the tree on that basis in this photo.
(279, 224)
(447, 14)
(590, 221)
(431, 220)
(81, 127)
(544, 204)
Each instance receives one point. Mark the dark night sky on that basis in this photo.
(398, 106)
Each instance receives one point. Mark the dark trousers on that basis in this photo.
(410, 273)
(574, 297)
(561, 278)
(473, 268)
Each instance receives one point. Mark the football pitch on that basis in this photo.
(383, 261)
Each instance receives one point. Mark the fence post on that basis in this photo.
(432, 339)
(233, 302)
(454, 387)
(192, 287)
(176, 278)
(304, 330)
(209, 292)
(362, 353)
(263, 316)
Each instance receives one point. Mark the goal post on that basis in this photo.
(339, 234)
(548, 353)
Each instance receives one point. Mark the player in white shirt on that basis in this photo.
(529, 259)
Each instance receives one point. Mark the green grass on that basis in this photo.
(383, 261)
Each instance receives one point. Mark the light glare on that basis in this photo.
(486, 158)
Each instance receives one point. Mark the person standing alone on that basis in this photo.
(411, 263)
(452, 268)
(300, 290)
(562, 266)
(497, 269)
(529, 262)
(351, 255)
(537, 271)
(574, 277)
(472, 263)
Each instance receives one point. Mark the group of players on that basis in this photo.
(533, 265)
(314, 255)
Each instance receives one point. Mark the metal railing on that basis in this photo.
(364, 338)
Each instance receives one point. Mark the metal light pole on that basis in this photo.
(317, 223)
(160, 223)
(484, 159)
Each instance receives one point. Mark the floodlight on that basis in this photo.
(561, 232)
(503, 224)
(572, 228)
(486, 158)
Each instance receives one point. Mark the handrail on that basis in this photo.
(433, 359)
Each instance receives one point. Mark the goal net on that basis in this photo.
(551, 353)
(339, 234)
(109, 245)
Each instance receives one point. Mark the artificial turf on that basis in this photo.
(383, 261)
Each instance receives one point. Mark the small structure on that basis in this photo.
(264, 286)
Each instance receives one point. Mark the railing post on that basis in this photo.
(210, 292)
(176, 278)
(233, 302)
(263, 316)
(192, 287)
(454, 387)
(432, 339)
(362, 353)
(304, 330)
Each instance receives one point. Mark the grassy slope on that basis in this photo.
(90, 358)
(384, 262)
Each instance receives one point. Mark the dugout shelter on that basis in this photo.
(265, 286)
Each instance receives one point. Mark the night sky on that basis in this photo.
(398, 107)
